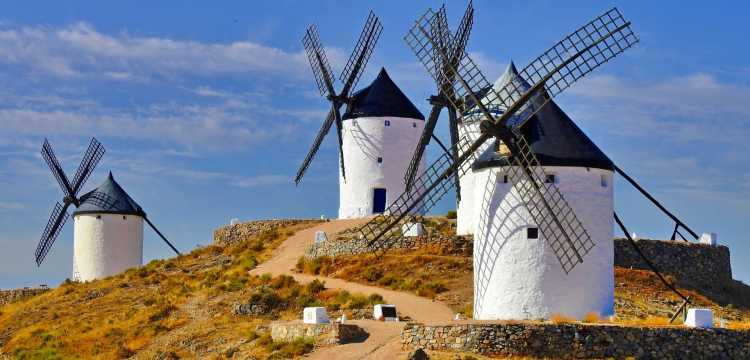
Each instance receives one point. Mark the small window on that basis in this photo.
(550, 179)
(505, 179)
(124, 217)
(604, 182)
(98, 216)
(380, 160)
(414, 125)
(532, 233)
(387, 123)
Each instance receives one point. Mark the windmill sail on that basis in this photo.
(553, 215)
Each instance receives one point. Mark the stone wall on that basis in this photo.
(324, 334)
(574, 341)
(230, 234)
(698, 266)
(10, 296)
(454, 245)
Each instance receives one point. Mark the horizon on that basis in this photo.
(206, 112)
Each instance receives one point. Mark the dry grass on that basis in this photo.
(182, 304)
(425, 272)
(562, 319)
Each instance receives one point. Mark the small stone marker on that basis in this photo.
(320, 237)
(708, 239)
(385, 312)
(700, 318)
(412, 229)
(315, 315)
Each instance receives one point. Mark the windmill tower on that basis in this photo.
(378, 129)
(108, 223)
(381, 126)
(107, 232)
(510, 251)
(531, 224)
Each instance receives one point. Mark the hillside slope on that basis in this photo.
(204, 304)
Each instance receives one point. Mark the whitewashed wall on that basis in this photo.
(106, 246)
(466, 211)
(520, 278)
(366, 139)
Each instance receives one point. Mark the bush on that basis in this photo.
(451, 214)
(292, 349)
(372, 273)
(315, 286)
(282, 281)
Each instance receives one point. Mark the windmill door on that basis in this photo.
(378, 201)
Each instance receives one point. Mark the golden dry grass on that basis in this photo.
(182, 304)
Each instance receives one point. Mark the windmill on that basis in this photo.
(324, 79)
(555, 70)
(445, 96)
(102, 247)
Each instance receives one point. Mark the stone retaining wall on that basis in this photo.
(455, 245)
(10, 296)
(698, 266)
(230, 234)
(575, 341)
(324, 334)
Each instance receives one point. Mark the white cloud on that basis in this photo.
(11, 206)
(80, 50)
(697, 107)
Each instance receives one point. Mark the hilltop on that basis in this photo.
(218, 300)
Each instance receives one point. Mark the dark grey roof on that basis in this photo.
(381, 98)
(109, 198)
(556, 140)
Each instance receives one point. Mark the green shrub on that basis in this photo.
(372, 273)
(315, 286)
(451, 214)
(282, 281)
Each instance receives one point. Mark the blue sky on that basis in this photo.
(206, 111)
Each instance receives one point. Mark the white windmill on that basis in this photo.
(108, 223)
(379, 129)
(540, 195)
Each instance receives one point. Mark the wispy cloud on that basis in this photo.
(696, 107)
(11, 206)
(80, 50)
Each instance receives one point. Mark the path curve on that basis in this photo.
(384, 341)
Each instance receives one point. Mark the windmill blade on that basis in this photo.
(161, 235)
(93, 154)
(49, 157)
(461, 37)
(553, 215)
(318, 61)
(453, 126)
(361, 54)
(56, 221)
(556, 220)
(424, 139)
(339, 129)
(457, 47)
(383, 231)
(315, 146)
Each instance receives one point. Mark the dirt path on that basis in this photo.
(384, 341)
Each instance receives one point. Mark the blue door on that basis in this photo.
(378, 201)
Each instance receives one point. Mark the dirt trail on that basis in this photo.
(384, 341)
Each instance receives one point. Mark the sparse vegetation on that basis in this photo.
(134, 312)
(424, 272)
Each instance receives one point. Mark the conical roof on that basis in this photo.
(554, 137)
(381, 98)
(109, 198)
